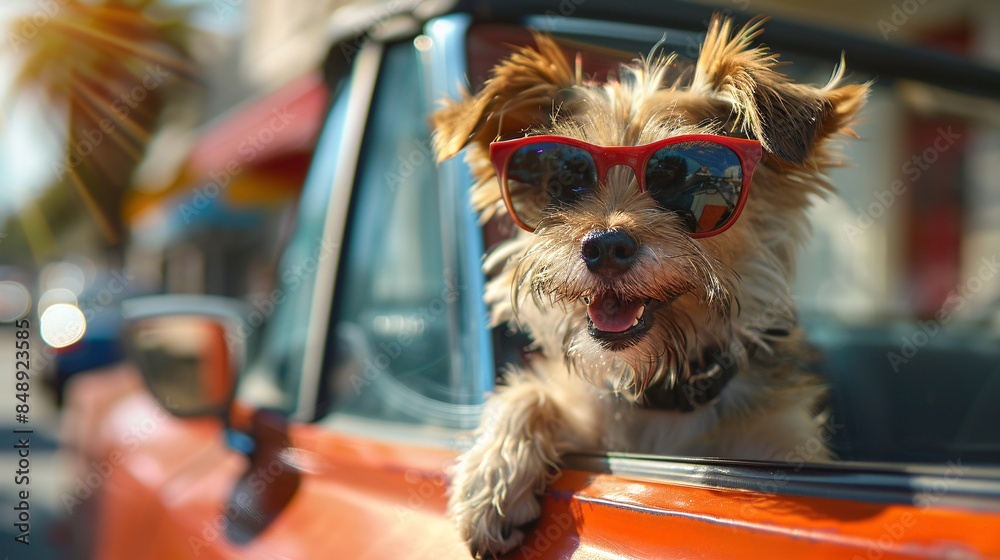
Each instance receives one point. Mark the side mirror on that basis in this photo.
(187, 350)
(191, 354)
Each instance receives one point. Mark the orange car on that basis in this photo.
(361, 376)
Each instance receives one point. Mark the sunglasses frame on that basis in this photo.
(748, 151)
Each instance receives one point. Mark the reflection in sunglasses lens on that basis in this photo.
(699, 181)
(546, 173)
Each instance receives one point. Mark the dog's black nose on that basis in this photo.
(609, 251)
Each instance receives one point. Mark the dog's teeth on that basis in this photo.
(639, 314)
(636, 322)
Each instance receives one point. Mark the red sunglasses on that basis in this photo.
(701, 177)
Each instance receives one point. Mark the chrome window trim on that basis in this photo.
(365, 74)
(448, 66)
(653, 34)
(949, 485)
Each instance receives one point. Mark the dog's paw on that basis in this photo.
(491, 529)
(491, 510)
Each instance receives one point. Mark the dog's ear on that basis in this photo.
(522, 93)
(790, 120)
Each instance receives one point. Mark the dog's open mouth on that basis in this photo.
(618, 323)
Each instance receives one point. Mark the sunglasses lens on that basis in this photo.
(700, 181)
(543, 174)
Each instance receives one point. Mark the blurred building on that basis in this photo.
(218, 227)
(209, 211)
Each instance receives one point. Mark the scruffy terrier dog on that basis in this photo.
(651, 272)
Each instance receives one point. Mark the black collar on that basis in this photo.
(703, 387)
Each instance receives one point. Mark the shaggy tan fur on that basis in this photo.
(718, 294)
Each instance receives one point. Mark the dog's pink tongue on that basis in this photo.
(610, 314)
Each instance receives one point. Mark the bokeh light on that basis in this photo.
(15, 301)
(62, 325)
(63, 274)
(54, 296)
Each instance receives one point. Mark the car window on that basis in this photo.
(277, 327)
(394, 331)
(900, 286)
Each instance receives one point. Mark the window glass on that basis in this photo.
(280, 323)
(393, 332)
(900, 286)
